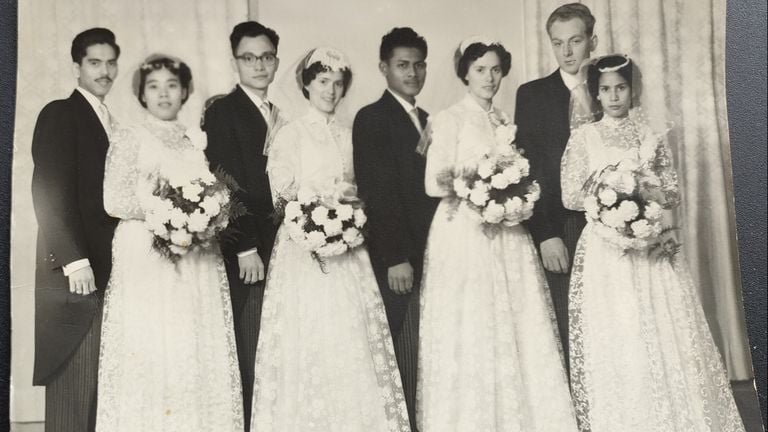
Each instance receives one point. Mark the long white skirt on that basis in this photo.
(168, 360)
(325, 360)
(642, 356)
(489, 358)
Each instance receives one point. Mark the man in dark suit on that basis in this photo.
(238, 126)
(543, 122)
(74, 241)
(390, 178)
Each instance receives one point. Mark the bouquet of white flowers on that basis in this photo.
(187, 211)
(625, 203)
(498, 189)
(325, 225)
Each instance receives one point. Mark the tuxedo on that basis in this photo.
(237, 134)
(69, 148)
(542, 116)
(390, 179)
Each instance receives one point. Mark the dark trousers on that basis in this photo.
(246, 314)
(70, 397)
(403, 316)
(559, 282)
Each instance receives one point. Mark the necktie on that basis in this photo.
(106, 119)
(265, 111)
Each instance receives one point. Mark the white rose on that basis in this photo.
(512, 174)
(320, 215)
(460, 187)
(478, 197)
(642, 229)
(210, 206)
(653, 210)
(608, 197)
(192, 192)
(592, 208)
(350, 235)
(198, 221)
(181, 238)
(208, 178)
(332, 227)
(612, 218)
(360, 218)
(292, 210)
(628, 210)
(534, 192)
(513, 206)
(524, 166)
(332, 249)
(178, 218)
(345, 212)
(315, 239)
(485, 169)
(178, 250)
(493, 213)
(499, 181)
(296, 231)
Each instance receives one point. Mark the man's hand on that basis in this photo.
(251, 268)
(554, 255)
(401, 278)
(82, 281)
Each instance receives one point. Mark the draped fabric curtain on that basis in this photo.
(678, 46)
(194, 30)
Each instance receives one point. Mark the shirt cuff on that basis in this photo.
(75, 266)
(246, 253)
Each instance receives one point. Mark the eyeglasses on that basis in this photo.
(267, 59)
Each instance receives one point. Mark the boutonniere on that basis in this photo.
(276, 121)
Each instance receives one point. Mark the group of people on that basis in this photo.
(432, 325)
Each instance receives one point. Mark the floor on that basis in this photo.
(743, 391)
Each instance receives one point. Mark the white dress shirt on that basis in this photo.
(411, 109)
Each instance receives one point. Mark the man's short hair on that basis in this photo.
(251, 29)
(93, 36)
(401, 37)
(570, 11)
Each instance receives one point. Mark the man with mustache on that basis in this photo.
(239, 126)
(390, 179)
(74, 241)
(542, 115)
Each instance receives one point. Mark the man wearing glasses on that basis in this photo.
(238, 127)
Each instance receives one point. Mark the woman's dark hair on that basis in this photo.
(93, 36)
(309, 73)
(401, 37)
(157, 62)
(477, 50)
(251, 29)
(611, 61)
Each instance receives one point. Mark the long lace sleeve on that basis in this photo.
(283, 163)
(666, 171)
(574, 170)
(121, 176)
(441, 153)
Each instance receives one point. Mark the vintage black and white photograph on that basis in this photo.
(400, 216)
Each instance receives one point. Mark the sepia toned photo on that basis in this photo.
(251, 215)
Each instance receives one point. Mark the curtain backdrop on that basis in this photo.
(679, 48)
(194, 30)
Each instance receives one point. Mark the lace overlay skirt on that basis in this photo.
(168, 360)
(325, 360)
(489, 357)
(642, 356)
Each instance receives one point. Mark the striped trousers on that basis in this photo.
(70, 397)
(407, 353)
(559, 282)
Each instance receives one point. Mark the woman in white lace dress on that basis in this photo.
(489, 358)
(325, 360)
(168, 360)
(642, 357)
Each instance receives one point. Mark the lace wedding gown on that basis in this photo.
(642, 356)
(325, 359)
(168, 360)
(489, 358)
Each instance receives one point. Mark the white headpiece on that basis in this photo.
(329, 57)
(614, 68)
(485, 40)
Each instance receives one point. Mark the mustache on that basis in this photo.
(104, 78)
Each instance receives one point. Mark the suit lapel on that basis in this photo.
(402, 120)
(93, 127)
